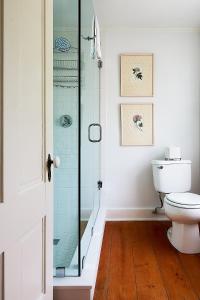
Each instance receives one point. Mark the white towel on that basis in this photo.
(93, 33)
(96, 42)
(97, 39)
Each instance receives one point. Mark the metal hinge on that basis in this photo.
(60, 272)
(100, 64)
(92, 231)
(83, 261)
(100, 184)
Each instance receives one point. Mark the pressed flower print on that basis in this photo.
(138, 121)
(137, 75)
(137, 124)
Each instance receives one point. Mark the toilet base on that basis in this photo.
(185, 237)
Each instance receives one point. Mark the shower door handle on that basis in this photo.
(55, 162)
(100, 133)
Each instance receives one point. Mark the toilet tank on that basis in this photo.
(172, 176)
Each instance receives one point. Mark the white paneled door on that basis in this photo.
(26, 140)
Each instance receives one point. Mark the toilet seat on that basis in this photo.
(183, 200)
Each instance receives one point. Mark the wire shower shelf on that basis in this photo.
(65, 69)
(68, 64)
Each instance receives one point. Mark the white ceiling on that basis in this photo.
(148, 13)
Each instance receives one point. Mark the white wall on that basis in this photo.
(126, 170)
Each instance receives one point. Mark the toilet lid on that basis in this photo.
(184, 200)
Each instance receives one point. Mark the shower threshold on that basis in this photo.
(82, 287)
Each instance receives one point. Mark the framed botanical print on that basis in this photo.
(137, 75)
(137, 124)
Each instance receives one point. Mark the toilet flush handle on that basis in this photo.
(160, 167)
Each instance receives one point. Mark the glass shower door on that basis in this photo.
(77, 134)
(90, 128)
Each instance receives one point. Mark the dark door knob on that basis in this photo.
(49, 163)
(55, 162)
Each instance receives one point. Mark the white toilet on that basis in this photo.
(174, 179)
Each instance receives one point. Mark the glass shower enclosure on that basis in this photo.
(77, 134)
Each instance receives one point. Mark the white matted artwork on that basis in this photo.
(137, 75)
(137, 124)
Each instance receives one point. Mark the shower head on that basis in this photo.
(62, 44)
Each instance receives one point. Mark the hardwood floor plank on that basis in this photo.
(121, 284)
(99, 294)
(175, 279)
(104, 264)
(191, 265)
(148, 277)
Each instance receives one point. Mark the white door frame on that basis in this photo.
(49, 139)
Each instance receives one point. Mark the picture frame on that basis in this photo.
(137, 75)
(137, 124)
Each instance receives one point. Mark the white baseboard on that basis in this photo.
(137, 214)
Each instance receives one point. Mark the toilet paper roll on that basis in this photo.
(173, 153)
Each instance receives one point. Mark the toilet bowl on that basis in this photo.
(184, 211)
(173, 178)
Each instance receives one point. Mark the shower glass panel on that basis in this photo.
(66, 136)
(90, 128)
(77, 134)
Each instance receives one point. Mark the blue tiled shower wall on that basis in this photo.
(66, 176)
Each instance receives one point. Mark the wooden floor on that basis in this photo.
(137, 262)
